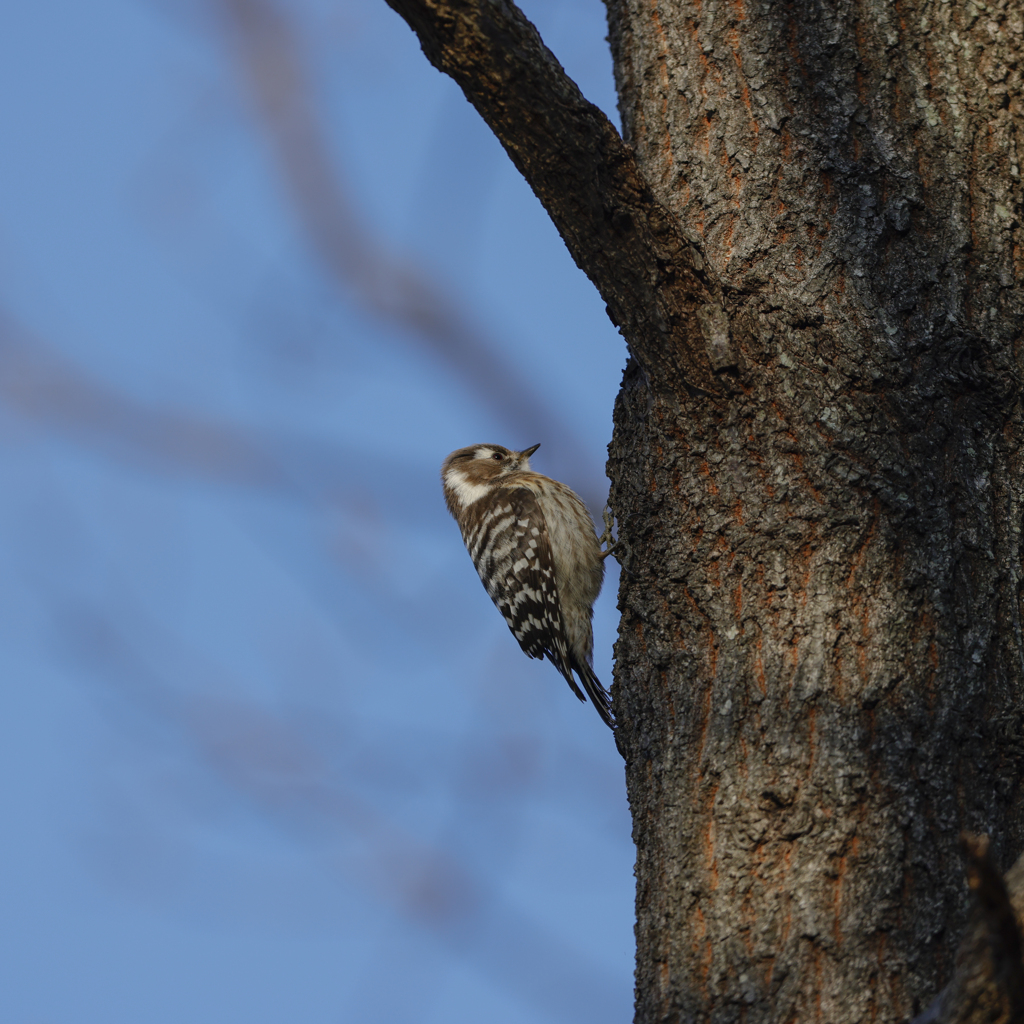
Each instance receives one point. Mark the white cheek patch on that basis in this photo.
(464, 491)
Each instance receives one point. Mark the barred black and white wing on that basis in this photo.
(511, 550)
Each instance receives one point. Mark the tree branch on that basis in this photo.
(656, 286)
(988, 986)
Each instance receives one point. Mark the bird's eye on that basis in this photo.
(498, 456)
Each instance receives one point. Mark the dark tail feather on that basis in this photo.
(560, 659)
(598, 695)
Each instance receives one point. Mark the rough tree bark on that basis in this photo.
(810, 240)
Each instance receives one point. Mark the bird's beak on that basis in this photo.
(527, 452)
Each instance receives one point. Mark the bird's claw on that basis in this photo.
(606, 540)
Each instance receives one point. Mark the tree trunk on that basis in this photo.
(819, 668)
(811, 242)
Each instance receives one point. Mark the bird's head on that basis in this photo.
(469, 473)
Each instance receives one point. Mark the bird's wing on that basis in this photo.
(519, 573)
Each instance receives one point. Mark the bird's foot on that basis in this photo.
(606, 540)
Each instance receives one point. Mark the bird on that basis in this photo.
(537, 554)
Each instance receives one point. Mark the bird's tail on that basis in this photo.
(599, 696)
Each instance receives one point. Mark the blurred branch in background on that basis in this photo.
(275, 767)
(40, 383)
(390, 286)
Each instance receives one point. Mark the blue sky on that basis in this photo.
(269, 753)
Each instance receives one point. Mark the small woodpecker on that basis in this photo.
(534, 546)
